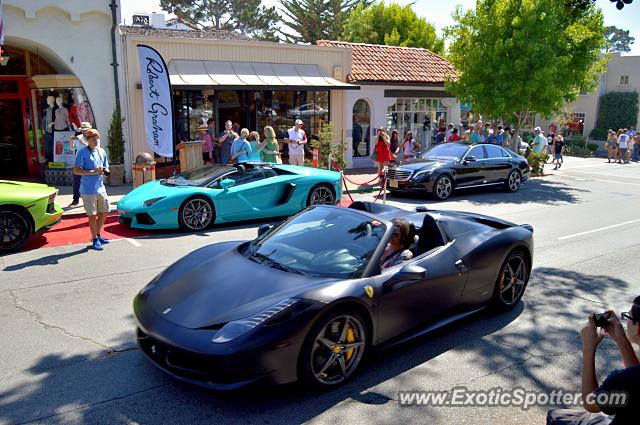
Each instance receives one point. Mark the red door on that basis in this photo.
(18, 155)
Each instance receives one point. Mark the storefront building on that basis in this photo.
(227, 76)
(401, 88)
(58, 73)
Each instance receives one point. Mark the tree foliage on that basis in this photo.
(618, 110)
(313, 20)
(617, 40)
(248, 17)
(393, 25)
(521, 56)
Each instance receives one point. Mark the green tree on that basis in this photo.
(248, 17)
(516, 57)
(617, 40)
(312, 20)
(393, 25)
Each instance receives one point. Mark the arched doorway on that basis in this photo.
(361, 128)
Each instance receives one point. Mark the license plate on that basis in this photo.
(393, 183)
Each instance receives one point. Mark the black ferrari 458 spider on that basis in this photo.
(308, 299)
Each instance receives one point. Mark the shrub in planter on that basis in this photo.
(115, 146)
(326, 146)
(579, 151)
(536, 162)
(599, 133)
(593, 147)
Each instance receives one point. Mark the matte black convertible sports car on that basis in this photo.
(446, 167)
(308, 299)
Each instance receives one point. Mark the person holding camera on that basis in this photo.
(78, 142)
(91, 164)
(626, 380)
(225, 141)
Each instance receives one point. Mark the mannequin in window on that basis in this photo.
(61, 121)
(74, 113)
(47, 127)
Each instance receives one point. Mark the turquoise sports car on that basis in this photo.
(196, 199)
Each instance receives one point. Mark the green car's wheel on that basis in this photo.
(196, 214)
(15, 229)
(321, 194)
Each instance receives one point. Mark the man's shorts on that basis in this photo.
(94, 204)
(558, 155)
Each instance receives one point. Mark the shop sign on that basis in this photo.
(62, 149)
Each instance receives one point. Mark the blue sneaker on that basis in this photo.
(97, 245)
(102, 240)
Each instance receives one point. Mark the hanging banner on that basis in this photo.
(156, 94)
(1, 25)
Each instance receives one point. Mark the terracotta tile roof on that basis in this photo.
(171, 33)
(376, 63)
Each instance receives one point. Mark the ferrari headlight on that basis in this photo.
(150, 202)
(234, 329)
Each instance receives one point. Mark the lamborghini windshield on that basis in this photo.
(198, 177)
(323, 241)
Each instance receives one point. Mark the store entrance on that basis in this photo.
(13, 153)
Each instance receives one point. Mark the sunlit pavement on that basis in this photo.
(69, 356)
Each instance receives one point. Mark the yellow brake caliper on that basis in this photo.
(502, 280)
(351, 338)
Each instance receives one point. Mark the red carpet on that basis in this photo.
(75, 230)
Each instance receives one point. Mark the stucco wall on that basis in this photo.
(76, 36)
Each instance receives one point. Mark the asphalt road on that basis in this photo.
(68, 354)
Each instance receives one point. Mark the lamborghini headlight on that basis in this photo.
(150, 202)
(234, 329)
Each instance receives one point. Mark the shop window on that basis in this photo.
(421, 116)
(624, 80)
(361, 125)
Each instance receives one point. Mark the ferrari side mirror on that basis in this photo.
(264, 229)
(227, 183)
(407, 272)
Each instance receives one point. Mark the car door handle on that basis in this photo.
(461, 266)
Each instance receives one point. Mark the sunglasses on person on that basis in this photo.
(627, 316)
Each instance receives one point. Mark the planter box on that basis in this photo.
(117, 175)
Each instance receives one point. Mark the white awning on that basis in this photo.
(251, 75)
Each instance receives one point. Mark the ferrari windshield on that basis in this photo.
(445, 151)
(198, 177)
(323, 241)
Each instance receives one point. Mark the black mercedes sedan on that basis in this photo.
(309, 298)
(444, 168)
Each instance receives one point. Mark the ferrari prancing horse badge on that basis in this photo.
(369, 291)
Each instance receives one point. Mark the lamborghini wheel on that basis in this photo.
(512, 281)
(15, 229)
(321, 194)
(333, 349)
(196, 214)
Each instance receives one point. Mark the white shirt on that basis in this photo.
(623, 141)
(294, 147)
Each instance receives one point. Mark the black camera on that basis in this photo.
(106, 172)
(601, 320)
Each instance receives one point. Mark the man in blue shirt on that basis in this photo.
(91, 164)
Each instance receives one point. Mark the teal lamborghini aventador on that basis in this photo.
(196, 199)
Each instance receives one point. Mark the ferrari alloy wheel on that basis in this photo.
(512, 281)
(196, 214)
(321, 195)
(15, 229)
(334, 349)
(513, 181)
(443, 187)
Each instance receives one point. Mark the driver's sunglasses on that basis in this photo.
(627, 316)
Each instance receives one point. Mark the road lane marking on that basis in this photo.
(133, 242)
(575, 235)
(603, 180)
(621, 176)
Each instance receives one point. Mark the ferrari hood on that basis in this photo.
(217, 284)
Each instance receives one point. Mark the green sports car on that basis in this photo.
(215, 194)
(25, 209)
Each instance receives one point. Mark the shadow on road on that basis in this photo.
(124, 387)
(46, 261)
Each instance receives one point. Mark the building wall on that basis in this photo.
(334, 62)
(75, 37)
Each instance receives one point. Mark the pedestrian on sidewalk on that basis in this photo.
(454, 136)
(241, 149)
(409, 146)
(558, 146)
(382, 150)
(540, 142)
(226, 140)
(394, 144)
(636, 148)
(91, 164)
(623, 145)
(79, 142)
(207, 143)
(611, 145)
(296, 139)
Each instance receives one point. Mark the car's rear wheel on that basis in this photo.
(443, 187)
(15, 229)
(513, 182)
(321, 194)
(333, 349)
(196, 214)
(512, 281)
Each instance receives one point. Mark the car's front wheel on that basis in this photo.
(196, 214)
(513, 181)
(443, 187)
(321, 194)
(15, 229)
(333, 349)
(512, 281)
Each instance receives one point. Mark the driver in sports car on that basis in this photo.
(397, 250)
